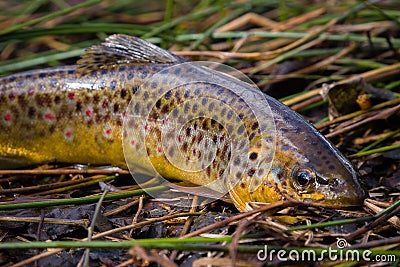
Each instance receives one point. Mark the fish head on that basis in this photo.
(305, 166)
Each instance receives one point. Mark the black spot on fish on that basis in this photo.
(240, 130)
(145, 95)
(158, 103)
(188, 131)
(251, 172)
(42, 75)
(253, 155)
(52, 129)
(137, 108)
(113, 84)
(57, 99)
(230, 114)
(194, 108)
(79, 106)
(119, 121)
(11, 78)
(122, 68)
(200, 137)
(208, 170)
(12, 95)
(168, 94)
(213, 122)
(211, 107)
(251, 136)
(187, 94)
(123, 93)
(31, 112)
(204, 101)
(177, 71)
(205, 125)
(135, 89)
(197, 92)
(96, 99)
(185, 146)
(254, 126)
(130, 75)
(187, 107)
(116, 107)
(165, 109)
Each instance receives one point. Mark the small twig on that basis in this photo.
(380, 218)
(381, 115)
(63, 171)
(93, 223)
(187, 224)
(139, 210)
(275, 205)
(83, 222)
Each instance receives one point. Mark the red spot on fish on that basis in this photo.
(147, 128)
(159, 150)
(222, 138)
(31, 91)
(164, 121)
(107, 131)
(105, 104)
(125, 114)
(49, 116)
(68, 134)
(180, 138)
(214, 163)
(71, 96)
(133, 142)
(89, 112)
(7, 117)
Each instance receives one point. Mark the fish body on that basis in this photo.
(133, 105)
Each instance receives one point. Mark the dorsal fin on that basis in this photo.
(123, 49)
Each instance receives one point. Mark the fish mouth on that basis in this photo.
(342, 192)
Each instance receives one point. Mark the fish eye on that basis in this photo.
(303, 178)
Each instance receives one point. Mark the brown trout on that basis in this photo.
(124, 104)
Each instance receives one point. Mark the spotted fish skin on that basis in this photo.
(54, 114)
(83, 114)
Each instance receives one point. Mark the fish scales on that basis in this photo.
(201, 132)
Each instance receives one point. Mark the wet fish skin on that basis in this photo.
(75, 114)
